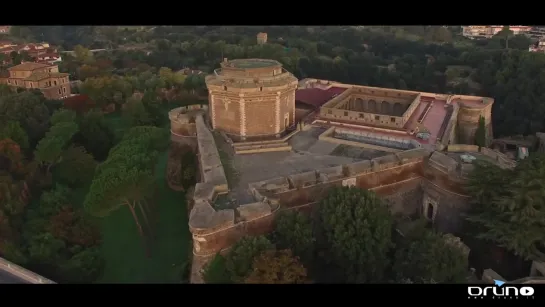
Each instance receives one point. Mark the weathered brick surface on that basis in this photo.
(260, 116)
(227, 114)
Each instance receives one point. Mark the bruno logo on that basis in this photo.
(499, 291)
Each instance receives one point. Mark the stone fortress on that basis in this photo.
(257, 158)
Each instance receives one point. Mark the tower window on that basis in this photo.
(224, 87)
(261, 88)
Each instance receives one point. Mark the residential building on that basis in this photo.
(45, 77)
(489, 31)
(48, 58)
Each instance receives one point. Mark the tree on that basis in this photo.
(425, 256)
(5, 90)
(277, 267)
(136, 113)
(505, 34)
(11, 158)
(50, 148)
(241, 256)
(72, 227)
(85, 266)
(512, 212)
(76, 167)
(13, 130)
(96, 135)
(294, 231)
(59, 241)
(480, 134)
(215, 272)
(126, 177)
(62, 116)
(29, 110)
(83, 54)
(357, 230)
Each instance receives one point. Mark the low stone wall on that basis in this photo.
(23, 273)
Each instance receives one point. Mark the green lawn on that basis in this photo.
(123, 248)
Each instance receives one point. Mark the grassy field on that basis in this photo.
(123, 248)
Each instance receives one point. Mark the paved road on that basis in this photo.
(8, 278)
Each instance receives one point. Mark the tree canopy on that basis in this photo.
(426, 256)
(277, 267)
(510, 206)
(357, 227)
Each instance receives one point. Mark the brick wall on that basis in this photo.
(261, 115)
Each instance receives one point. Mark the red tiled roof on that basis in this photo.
(50, 55)
(317, 97)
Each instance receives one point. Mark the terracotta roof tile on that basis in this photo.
(43, 75)
(28, 66)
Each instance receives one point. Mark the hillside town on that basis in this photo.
(272, 154)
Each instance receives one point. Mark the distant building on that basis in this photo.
(5, 29)
(6, 44)
(48, 58)
(489, 31)
(45, 77)
(261, 38)
(537, 33)
(39, 52)
(539, 46)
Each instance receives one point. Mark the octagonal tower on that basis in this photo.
(252, 98)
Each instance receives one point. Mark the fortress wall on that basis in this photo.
(449, 206)
(403, 198)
